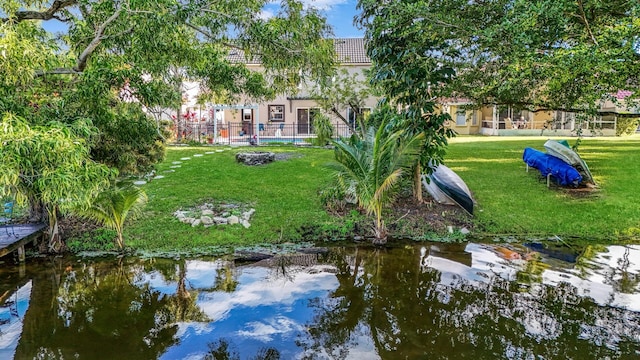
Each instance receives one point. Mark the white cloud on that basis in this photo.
(266, 14)
(323, 4)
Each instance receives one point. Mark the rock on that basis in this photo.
(450, 229)
(255, 158)
(233, 220)
(465, 231)
(187, 220)
(226, 214)
(207, 212)
(206, 220)
(196, 222)
(220, 220)
(245, 223)
(246, 215)
(180, 214)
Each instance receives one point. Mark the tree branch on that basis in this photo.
(48, 14)
(99, 35)
(583, 16)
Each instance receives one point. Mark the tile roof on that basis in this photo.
(351, 51)
(348, 51)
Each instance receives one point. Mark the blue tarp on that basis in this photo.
(563, 173)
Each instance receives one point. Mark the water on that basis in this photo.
(431, 301)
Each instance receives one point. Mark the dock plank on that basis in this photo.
(18, 235)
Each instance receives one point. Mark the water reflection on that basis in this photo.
(436, 301)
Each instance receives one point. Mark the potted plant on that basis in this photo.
(210, 139)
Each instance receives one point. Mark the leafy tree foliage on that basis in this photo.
(140, 52)
(546, 54)
(405, 73)
(345, 90)
(49, 169)
(117, 59)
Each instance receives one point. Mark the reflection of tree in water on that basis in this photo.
(94, 312)
(226, 277)
(224, 349)
(621, 278)
(182, 306)
(410, 312)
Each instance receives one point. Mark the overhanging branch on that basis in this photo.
(50, 13)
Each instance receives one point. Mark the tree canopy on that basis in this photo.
(114, 53)
(564, 54)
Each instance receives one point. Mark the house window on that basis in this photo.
(247, 114)
(461, 118)
(276, 113)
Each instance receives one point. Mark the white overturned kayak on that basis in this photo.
(446, 187)
(566, 154)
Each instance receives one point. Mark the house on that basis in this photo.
(287, 118)
(290, 117)
(468, 118)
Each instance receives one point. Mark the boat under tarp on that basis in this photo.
(563, 173)
(565, 153)
(446, 187)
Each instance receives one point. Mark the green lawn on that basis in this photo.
(512, 201)
(285, 193)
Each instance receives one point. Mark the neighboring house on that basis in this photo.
(468, 119)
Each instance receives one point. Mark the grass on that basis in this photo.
(512, 201)
(285, 194)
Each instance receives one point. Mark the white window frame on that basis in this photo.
(276, 113)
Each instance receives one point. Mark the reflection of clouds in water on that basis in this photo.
(266, 329)
(256, 288)
(11, 314)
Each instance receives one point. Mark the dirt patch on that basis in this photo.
(413, 219)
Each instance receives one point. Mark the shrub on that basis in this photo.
(627, 126)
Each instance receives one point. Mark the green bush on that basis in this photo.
(323, 129)
(101, 239)
(627, 126)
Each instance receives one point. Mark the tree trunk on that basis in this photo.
(417, 182)
(179, 124)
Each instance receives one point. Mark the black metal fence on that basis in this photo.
(246, 133)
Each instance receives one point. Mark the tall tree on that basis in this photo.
(546, 54)
(140, 51)
(406, 73)
(114, 59)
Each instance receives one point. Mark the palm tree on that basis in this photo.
(371, 167)
(112, 207)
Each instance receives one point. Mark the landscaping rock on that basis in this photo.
(245, 223)
(465, 231)
(232, 220)
(255, 158)
(196, 222)
(187, 220)
(207, 212)
(206, 220)
(220, 220)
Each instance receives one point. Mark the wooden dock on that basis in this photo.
(15, 237)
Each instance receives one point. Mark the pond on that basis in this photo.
(426, 301)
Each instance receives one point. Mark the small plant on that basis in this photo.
(113, 206)
(95, 240)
